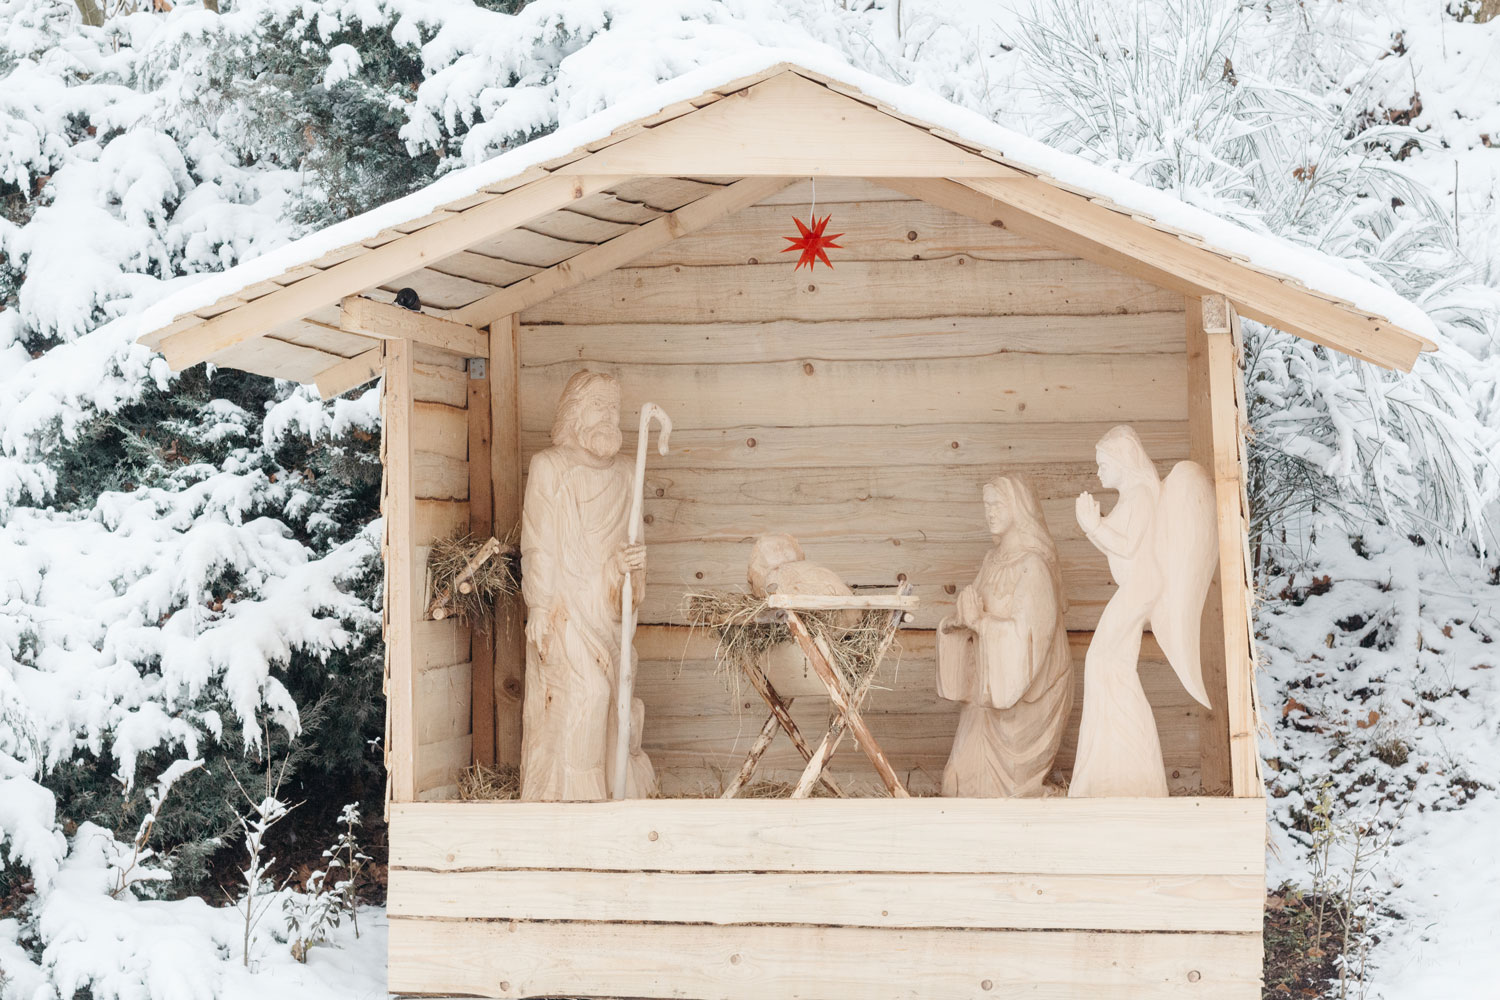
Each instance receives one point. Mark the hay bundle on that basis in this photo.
(748, 628)
(481, 783)
(471, 595)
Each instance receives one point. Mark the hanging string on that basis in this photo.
(813, 211)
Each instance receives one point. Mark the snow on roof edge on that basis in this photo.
(1320, 272)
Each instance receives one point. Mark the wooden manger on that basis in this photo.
(981, 319)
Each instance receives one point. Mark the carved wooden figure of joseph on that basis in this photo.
(575, 554)
(1004, 654)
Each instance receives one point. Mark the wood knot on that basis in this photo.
(1194, 976)
(807, 368)
(512, 687)
(749, 442)
(911, 234)
(660, 492)
(986, 985)
(649, 518)
(949, 588)
(653, 836)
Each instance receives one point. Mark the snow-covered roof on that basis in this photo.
(279, 313)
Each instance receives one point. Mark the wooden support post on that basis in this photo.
(1226, 408)
(846, 709)
(404, 579)
(780, 716)
(509, 668)
(1213, 740)
(481, 523)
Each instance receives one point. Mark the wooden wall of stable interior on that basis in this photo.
(439, 739)
(862, 409)
(750, 899)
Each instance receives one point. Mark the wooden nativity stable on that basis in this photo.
(987, 313)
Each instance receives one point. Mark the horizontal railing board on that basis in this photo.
(1091, 902)
(1171, 836)
(963, 286)
(1026, 448)
(975, 337)
(525, 959)
(1006, 388)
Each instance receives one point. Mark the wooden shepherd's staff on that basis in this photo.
(626, 688)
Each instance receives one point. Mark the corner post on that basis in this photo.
(1226, 399)
(505, 470)
(481, 525)
(1213, 738)
(404, 580)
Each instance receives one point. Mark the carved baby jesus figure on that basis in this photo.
(1004, 654)
(575, 550)
(779, 566)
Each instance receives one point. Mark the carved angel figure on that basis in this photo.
(779, 566)
(575, 547)
(1162, 543)
(1004, 654)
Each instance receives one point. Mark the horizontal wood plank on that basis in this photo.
(439, 764)
(1029, 448)
(439, 384)
(440, 429)
(1095, 902)
(441, 707)
(964, 286)
(439, 477)
(1171, 836)
(915, 230)
(1002, 389)
(526, 959)
(976, 337)
(439, 519)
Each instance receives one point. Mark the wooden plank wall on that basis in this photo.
(929, 898)
(441, 655)
(862, 409)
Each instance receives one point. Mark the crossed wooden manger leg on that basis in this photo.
(847, 716)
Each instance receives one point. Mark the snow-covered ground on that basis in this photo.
(146, 620)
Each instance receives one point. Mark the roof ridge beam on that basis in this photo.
(621, 250)
(378, 266)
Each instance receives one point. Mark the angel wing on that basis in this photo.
(1185, 539)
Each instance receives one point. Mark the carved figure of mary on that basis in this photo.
(1161, 542)
(1004, 654)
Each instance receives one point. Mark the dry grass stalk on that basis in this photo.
(481, 783)
(495, 578)
(748, 629)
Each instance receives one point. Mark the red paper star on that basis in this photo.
(812, 242)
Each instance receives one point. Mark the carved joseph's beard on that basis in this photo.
(601, 439)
